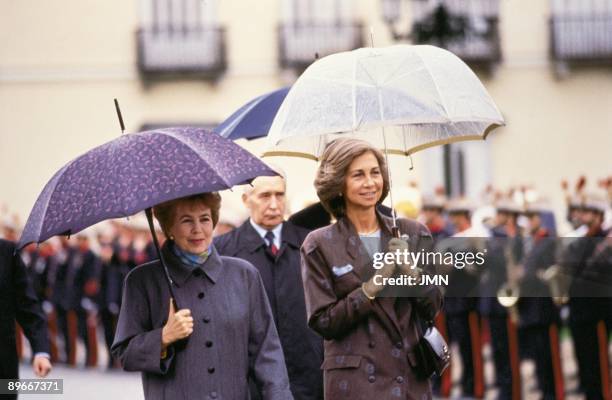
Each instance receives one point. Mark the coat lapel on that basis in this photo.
(289, 238)
(363, 268)
(388, 303)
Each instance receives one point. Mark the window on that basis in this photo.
(581, 30)
(468, 28)
(180, 37)
(312, 28)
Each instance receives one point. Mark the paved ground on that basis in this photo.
(90, 384)
(97, 383)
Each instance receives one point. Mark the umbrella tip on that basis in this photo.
(118, 110)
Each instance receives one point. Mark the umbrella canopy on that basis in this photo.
(253, 120)
(134, 172)
(421, 95)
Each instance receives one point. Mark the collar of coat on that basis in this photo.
(353, 242)
(252, 241)
(180, 272)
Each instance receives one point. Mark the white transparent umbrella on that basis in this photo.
(401, 98)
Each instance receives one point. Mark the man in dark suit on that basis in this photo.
(18, 302)
(273, 246)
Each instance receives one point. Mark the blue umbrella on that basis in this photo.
(134, 172)
(253, 120)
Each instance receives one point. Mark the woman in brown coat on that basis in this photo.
(369, 334)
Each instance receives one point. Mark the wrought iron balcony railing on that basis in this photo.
(581, 38)
(301, 43)
(468, 28)
(193, 52)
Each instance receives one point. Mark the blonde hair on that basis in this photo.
(331, 175)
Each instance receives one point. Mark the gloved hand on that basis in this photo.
(401, 244)
(397, 244)
(370, 287)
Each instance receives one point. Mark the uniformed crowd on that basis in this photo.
(80, 283)
(535, 282)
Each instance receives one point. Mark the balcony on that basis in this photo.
(301, 43)
(581, 38)
(197, 52)
(468, 28)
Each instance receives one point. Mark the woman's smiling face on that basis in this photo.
(364, 182)
(192, 227)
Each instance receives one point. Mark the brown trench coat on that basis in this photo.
(367, 343)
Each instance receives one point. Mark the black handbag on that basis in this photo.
(430, 355)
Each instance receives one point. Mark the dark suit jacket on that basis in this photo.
(18, 302)
(367, 346)
(302, 347)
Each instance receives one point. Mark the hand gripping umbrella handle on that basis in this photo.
(149, 213)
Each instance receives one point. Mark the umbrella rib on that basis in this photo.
(174, 136)
(435, 84)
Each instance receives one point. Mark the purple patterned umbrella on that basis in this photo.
(134, 172)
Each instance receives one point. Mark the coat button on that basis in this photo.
(201, 295)
(209, 343)
(371, 379)
(399, 379)
(211, 370)
(206, 320)
(197, 272)
(213, 395)
(371, 345)
(399, 345)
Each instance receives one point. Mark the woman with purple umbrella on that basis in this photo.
(224, 331)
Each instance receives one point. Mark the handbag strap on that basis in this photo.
(418, 320)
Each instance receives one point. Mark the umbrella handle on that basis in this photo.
(149, 213)
(395, 231)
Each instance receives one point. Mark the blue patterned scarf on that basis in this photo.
(189, 259)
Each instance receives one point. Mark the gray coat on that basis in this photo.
(233, 336)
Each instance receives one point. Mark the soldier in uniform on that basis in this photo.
(505, 249)
(575, 217)
(112, 274)
(460, 304)
(588, 260)
(74, 295)
(432, 216)
(538, 316)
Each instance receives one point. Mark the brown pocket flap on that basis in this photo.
(335, 362)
